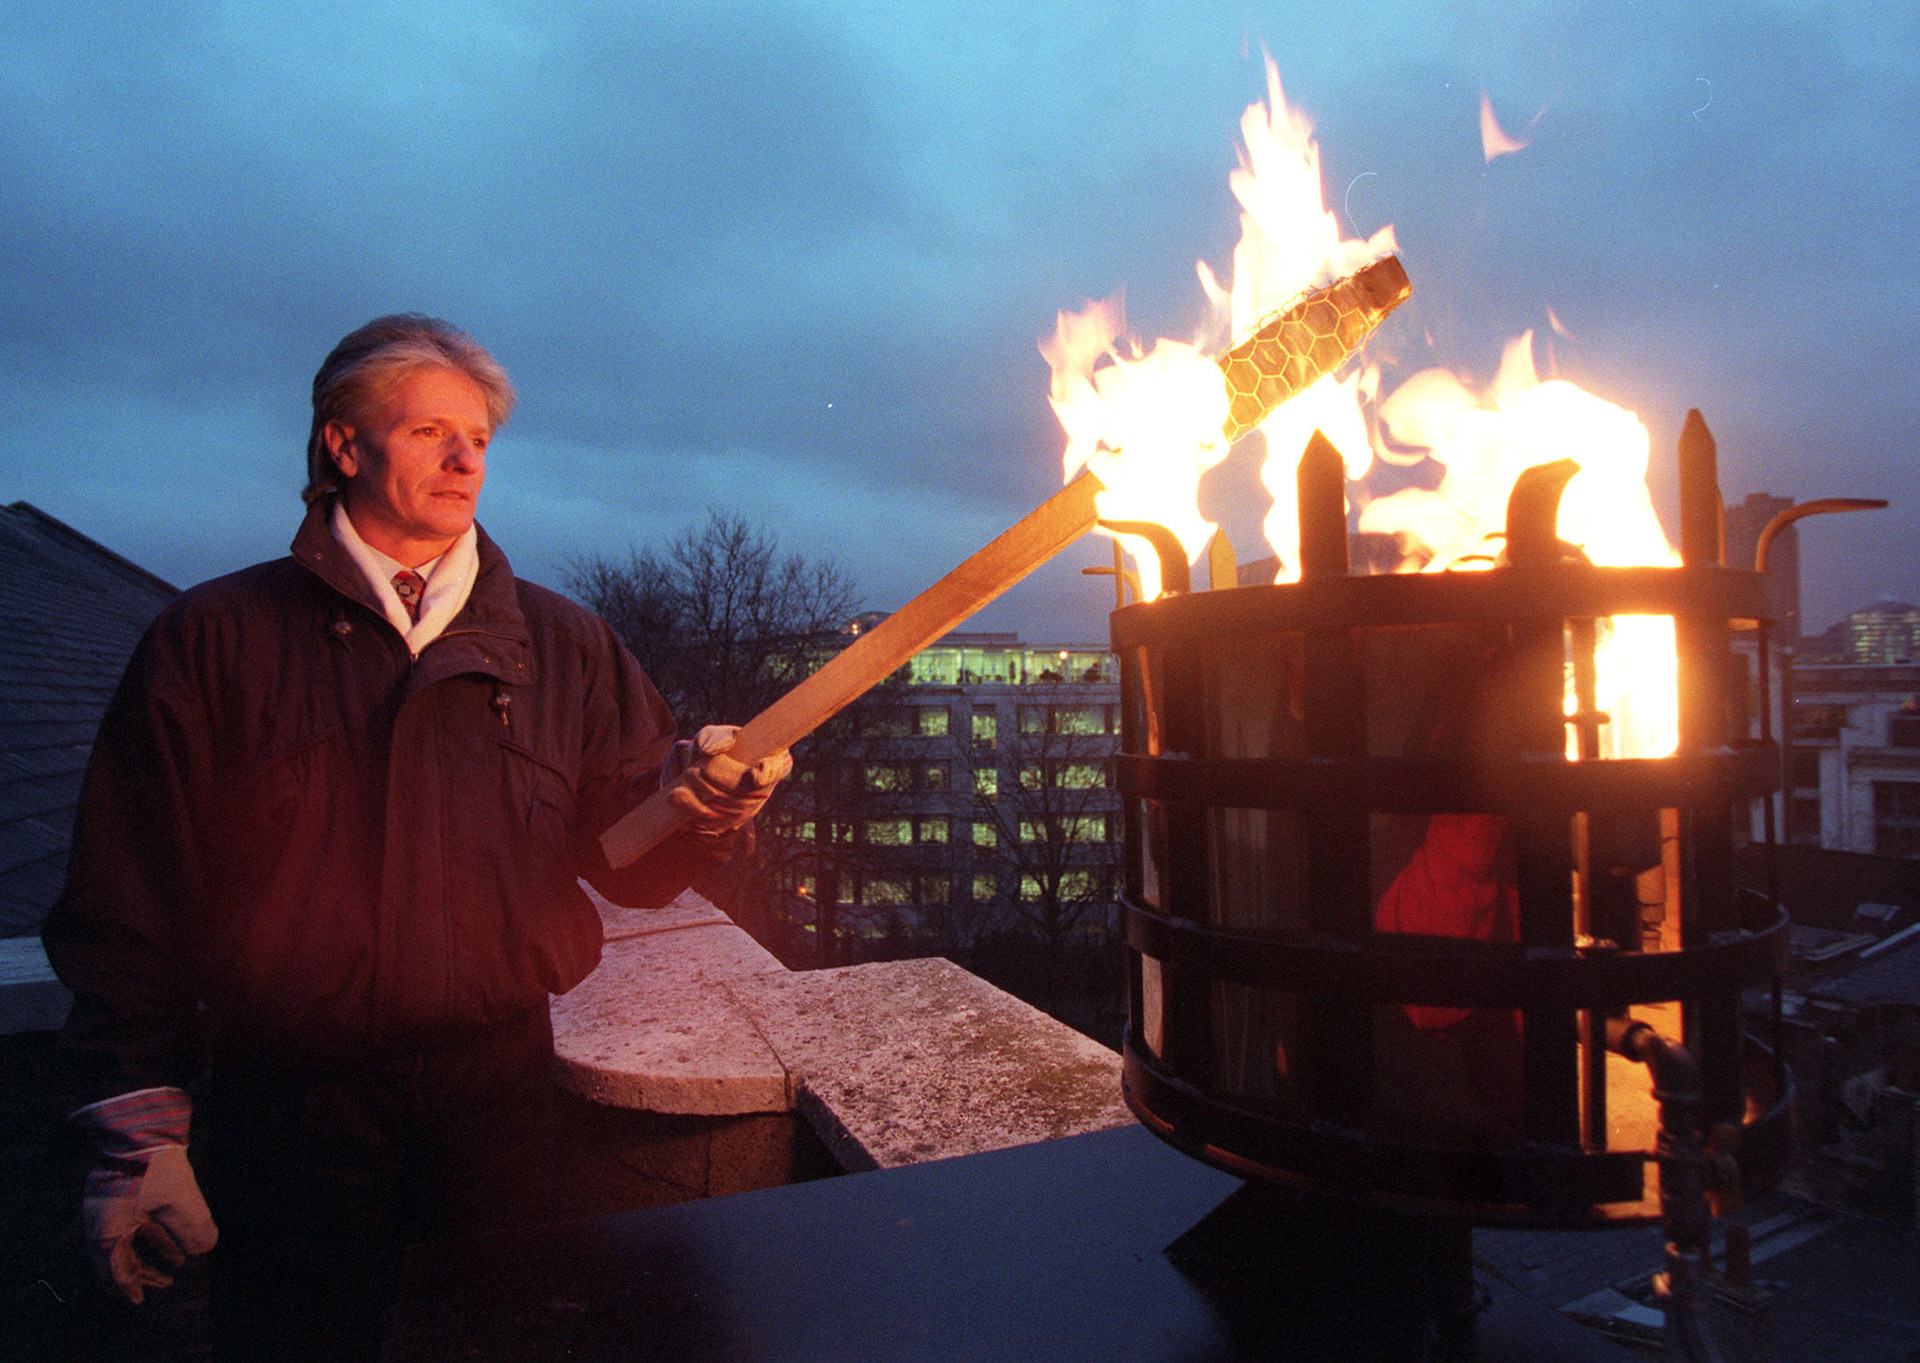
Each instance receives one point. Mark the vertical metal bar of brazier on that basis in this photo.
(1187, 991)
(1543, 845)
(1340, 1031)
(1704, 661)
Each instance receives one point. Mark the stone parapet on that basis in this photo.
(31, 999)
(888, 1064)
(654, 1030)
(906, 1061)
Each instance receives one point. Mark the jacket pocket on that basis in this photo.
(291, 786)
(541, 794)
(553, 928)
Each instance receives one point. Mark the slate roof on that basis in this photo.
(1825, 888)
(71, 612)
(1888, 977)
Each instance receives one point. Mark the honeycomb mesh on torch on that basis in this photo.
(1310, 338)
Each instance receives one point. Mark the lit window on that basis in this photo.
(884, 890)
(1077, 885)
(1065, 828)
(935, 667)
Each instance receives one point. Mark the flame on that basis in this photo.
(1493, 141)
(1149, 423)
(1483, 441)
(1148, 426)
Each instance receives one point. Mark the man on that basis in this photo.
(330, 844)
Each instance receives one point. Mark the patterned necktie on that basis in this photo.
(410, 585)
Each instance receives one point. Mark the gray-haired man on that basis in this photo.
(330, 846)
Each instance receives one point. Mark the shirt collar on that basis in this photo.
(449, 578)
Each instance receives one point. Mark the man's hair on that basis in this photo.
(359, 377)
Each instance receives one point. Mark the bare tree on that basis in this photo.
(722, 622)
(821, 866)
(1052, 812)
(1047, 813)
(724, 625)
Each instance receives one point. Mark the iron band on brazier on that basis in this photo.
(1431, 785)
(1444, 972)
(1565, 590)
(1387, 891)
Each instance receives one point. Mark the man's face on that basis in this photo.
(414, 470)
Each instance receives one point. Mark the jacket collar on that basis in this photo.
(490, 633)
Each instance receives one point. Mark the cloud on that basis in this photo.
(800, 254)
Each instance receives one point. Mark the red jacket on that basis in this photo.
(294, 832)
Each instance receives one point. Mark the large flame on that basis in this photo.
(1483, 440)
(1148, 426)
(1148, 422)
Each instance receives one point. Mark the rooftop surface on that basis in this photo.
(71, 612)
(1069, 1233)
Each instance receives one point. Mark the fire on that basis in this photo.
(1148, 425)
(1493, 138)
(1148, 422)
(1483, 440)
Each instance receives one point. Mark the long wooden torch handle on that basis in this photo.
(876, 655)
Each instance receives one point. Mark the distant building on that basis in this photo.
(71, 612)
(1851, 1011)
(1853, 767)
(976, 797)
(1888, 631)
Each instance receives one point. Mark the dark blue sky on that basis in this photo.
(793, 259)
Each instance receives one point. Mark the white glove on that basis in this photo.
(142, 1206)
(717, 793)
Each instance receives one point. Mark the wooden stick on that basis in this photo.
(870, 659)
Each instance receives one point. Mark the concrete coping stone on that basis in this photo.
(651, 1029)
(906, 1061)
(32, 999)
(891, 1063)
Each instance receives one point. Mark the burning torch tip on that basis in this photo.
(1386, 282)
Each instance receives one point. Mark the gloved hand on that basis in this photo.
(717, 793)
(142, 1206)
